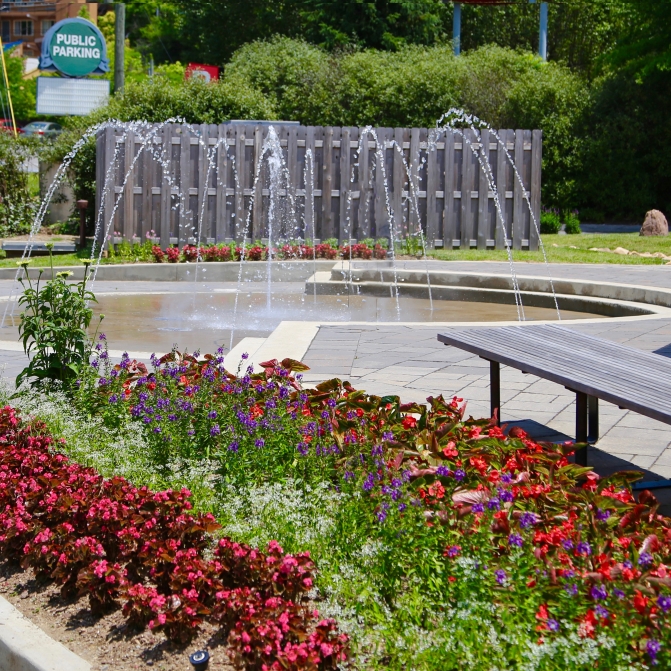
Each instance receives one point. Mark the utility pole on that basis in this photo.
(456, 28)
(119, 44)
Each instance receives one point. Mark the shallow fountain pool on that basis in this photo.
(155, 322)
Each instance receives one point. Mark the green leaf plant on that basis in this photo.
(54, 327)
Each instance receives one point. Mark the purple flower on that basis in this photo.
(652, 648)
(598, 592)
(401, 507)
(368, 483)
(302, 448)
(528, 520)
(601, 611)
(500, 575)
(505, 495)
(113, 398)
(387, 435)
(212, 414)
(382, 516)
(664, 602)
(506, 478)
(331, 403)
(234, 446)
(245, 356)
(443, 471)
(376, 451)
(602, 515)
(645, 559)
(515, 540)
(493, 504)
(349, 476)
(191, 432)
(325, 414)
(215, 430)
(618, 593)
(259, 442)
(459, 474)
(584, 548)
(453, 551)
(571, 589)
(478, 508)
(553, 625)
(627, 564)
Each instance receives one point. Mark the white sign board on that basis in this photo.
(61, 96)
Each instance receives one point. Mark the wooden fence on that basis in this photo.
(183, 173)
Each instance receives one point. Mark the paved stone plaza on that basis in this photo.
(407, 360)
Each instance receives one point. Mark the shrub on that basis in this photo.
(17, 206)
(550, 222)
(54, 328)
(572, 223)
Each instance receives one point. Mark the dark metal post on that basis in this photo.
(581, 427)
(81, 206)
(593, 420)
(495, 389)
(456, 28)
(119, 44)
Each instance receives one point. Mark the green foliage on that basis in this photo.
(17, 204)
(572, 223)
(550, 222)
(23, 91)
(53, 329)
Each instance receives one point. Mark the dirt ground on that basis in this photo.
(105, 642)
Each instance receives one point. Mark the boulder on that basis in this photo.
(655, 224)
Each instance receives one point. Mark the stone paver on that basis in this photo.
(408, 360)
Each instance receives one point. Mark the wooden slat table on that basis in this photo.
(591, 367)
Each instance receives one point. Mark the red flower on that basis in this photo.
(409, 422)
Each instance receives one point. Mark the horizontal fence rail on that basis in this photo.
(206, 181)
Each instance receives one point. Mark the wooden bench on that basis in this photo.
(591, 367)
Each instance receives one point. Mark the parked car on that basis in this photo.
(6, 126)
(48, 129)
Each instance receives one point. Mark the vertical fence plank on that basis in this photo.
(294, 179)
(364, 185)
(310, 223)
(125, 211)
(146, 184)
(483, 193)
(535, 196)
(518, 196)
(413, 186)
(381, 223)
(221, 219)
(449, 215)
(184, 231)
(466, 189)
(345, 221)
(432, 181)
(398, 179)
(202, 185)
(501, 230)
(238, 133)
(257, 211)
(327, 182)
(166, 186)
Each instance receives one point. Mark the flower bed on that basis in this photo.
(259, 252)
(439, 540)
(122, 544)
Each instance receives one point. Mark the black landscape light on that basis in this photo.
(199, 659)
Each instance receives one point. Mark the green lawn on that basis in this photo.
(559, 250)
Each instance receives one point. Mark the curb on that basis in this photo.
(25, 647)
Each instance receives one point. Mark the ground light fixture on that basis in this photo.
(199, 659)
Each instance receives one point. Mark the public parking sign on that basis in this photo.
(76, 48)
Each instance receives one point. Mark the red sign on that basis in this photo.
(207, 73)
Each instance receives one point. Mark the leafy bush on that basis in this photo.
(550, 222)
(17, 206)
(572, 223)
(54, 328)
